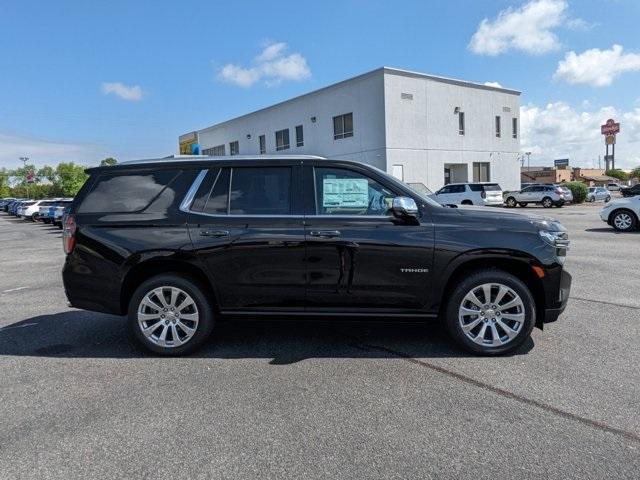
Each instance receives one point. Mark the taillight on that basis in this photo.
(69, 233)
(559, 191)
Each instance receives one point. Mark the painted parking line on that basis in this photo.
(14, 289)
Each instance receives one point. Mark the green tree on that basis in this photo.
(47, 173)
(109, 161)
(635, 173)
(617, 173)
(71, 177)
(578, 190)
(5, 190)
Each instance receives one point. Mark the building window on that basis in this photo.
(217, 151)
(234, 148)
(299, 136)
(498, 126)
(481, 172)
(282, 139)
(514, 125)
(461, 123)
(343, 126)
(263, 144)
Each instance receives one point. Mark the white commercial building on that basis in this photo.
(420, 128)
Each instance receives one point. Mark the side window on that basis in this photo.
(260, 191)
(127, 192)
(444, 190)
(218, 199)
(525, 190)
(475, 187)
(345, 192)
(458, 188)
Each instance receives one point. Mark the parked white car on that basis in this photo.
(546, 195)
(613, 187)
(598, 193)
(622, 214)
(477, 193)
(27, 208)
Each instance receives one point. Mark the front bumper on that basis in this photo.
(557, 296)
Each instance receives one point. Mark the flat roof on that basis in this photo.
(377, 71)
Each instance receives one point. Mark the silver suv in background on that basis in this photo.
(598, 193)
(477, 193)
(546, 195)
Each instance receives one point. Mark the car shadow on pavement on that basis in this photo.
(610, 230)
(80, 334)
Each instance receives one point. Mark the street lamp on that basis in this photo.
(528, 154)
(24, 160)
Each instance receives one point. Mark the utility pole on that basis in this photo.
(24, 160)
(528, 154)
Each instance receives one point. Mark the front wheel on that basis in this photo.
(547, 202)
(624, 221)
(490, 312)
(511, 202)
(170, 315)
(607, 200)
(592, 199)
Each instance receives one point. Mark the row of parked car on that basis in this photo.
(48, 210)
(490, 194)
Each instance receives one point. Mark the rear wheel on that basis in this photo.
(490, 312)
(511, 202)
(170, 315)
(547, 202)
(624, 220)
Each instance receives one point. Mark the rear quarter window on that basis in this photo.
(127, 191)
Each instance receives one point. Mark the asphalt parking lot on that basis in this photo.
(320, 400)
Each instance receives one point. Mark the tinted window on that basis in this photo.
(475, 187)
(218, 201)
(203, 192)
(345, 192)
(457, 188)
(127, 192)
(261, 191)
(492, 187)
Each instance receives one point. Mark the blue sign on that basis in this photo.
(195, 149)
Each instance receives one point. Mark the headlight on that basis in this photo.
(555, 238)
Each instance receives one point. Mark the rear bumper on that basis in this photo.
(557, 293)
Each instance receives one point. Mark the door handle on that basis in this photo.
(214, 233)
(325, 233)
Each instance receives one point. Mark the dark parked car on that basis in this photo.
(630, 191)
(179, 244)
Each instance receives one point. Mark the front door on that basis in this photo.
(359, 256)
(246, 225)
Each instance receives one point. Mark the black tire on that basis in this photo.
(547, 202)
(34, 217)
(203, 307)
(616, 220)
(511, 202)
(607, 200)
(466, 202)
(523, 204)
(473, 280)
(592, 199)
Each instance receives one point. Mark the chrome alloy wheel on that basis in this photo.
(491, 314)
(623, 221)
(168, 316)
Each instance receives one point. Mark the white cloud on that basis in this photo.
(528, 29)
(272, 65)
(493, 84)
(125, 92)
(596, 67)
(560, 131)
(580, 25)
(42, 152)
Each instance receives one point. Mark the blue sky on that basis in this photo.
(83, 80)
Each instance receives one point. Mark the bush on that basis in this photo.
(617, 173)
(578, 190)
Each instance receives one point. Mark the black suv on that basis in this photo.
(178, 244)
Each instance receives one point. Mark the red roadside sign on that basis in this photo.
(610, 127)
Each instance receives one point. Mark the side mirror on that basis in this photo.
(404, 207)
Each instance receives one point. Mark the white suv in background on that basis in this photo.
(622, 214)
(477, 193)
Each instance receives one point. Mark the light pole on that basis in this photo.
(24, 160)
(528, 154)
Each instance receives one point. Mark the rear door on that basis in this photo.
(359, 257)
(246, 226)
